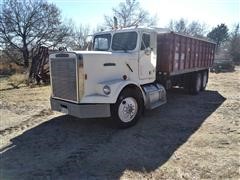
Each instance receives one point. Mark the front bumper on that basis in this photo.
(81, 110)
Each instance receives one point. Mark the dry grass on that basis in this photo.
(7, 68)
(18, 105)
(191, 137)
(16, 80)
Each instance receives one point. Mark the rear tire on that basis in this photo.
(196, 83)
(204, 80)
(128, 108)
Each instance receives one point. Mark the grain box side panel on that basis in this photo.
(200, 54)
(164, 55)
(205, 54)
(177, 54)
(194, 53)
(197, 53)
(183, 52)
(208, 57)
(171, 45)
(188, 53)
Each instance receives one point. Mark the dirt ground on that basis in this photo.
(190, 137)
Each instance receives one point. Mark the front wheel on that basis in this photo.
(128, 108)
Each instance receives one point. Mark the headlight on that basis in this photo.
(106, 90)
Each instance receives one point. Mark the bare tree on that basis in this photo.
(178, 26)
(27, 23)
(193, 28)
(196, 29)
(129, 13)
(79, 38)
(234, 44)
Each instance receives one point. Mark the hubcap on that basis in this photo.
(127, 109)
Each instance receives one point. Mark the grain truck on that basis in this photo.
(127, 71)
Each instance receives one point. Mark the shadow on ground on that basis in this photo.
(71, 148)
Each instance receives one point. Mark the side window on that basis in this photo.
(101, 44)
(145, 41)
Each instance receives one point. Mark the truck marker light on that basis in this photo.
(124, 77)
(106, 90)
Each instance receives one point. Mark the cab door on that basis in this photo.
(147, 56)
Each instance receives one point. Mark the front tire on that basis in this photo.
(128, 108)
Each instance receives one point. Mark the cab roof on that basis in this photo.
(154, 29)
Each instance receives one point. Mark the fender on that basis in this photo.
(116, 87)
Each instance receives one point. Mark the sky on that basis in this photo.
(211, 12)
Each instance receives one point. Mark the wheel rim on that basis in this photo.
(128, 109)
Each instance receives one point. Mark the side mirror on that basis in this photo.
(148, 51)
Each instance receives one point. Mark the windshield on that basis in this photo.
(124, 41)
(102, 42)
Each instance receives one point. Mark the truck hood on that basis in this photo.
(102, 66)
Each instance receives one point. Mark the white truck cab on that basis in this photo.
(117, 78)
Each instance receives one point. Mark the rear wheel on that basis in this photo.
(204, 80)
(196, 83)
(128, 108)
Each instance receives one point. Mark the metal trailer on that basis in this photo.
(181, 58)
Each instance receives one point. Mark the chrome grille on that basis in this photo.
(63, 77)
